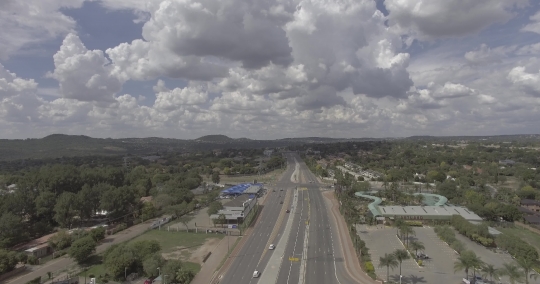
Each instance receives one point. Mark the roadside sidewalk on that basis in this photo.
(219, 252)
(352, 264)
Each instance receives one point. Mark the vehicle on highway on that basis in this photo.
(281, 202)
(272, 246)
(256, 274)
(287, 211)
(281, 189)
(274, 190)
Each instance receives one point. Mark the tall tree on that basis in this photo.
(82, 248)
(513, 272)
(489, 270)
(466, 260)
(388, 260)
(65, 209)
(528, 266)
(416, 246)
(401, 255)
(215, 177)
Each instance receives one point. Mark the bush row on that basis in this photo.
(516, 247)
(478, 233)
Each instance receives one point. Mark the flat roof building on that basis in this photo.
(428, 212)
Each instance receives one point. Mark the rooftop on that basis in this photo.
(253, 189)
(429, 211)
(238, 201)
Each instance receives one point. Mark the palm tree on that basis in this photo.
(466, 260)
(513, 272)
(401, 255)
(398, 224)
(416, 246)
(528, 266)
(406, 229)
(388, 260)
(489, 270)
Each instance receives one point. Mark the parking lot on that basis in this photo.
(490, 257)
(384, 240)
(439, 268)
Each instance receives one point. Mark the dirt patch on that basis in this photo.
(193, 254)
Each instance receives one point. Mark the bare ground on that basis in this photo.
(193, 254)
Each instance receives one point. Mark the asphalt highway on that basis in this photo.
(254, 255)
(312, 252)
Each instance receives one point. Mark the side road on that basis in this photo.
(352, 264)
(60, 265)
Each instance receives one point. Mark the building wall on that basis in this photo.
(532, 207)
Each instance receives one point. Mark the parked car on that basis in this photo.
(272, 246)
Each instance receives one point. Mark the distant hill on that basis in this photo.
(60, 145)
(215, 138)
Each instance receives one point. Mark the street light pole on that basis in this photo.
(125, 273)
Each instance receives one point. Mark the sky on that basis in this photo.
(269, 69)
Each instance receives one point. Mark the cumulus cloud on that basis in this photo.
(11, 85)
(84, 74)
(431, 19)
(528, 82)
(27, 23)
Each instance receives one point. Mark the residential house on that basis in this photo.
(530, 204)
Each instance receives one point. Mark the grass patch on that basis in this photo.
(194, 267)
(530, 237)
(172, 239)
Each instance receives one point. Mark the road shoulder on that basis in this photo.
(352, 264)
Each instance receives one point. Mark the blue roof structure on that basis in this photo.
(238, 189)
(373, 205)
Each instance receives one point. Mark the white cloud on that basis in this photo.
(277, 68)
(529, 82)
(430, 19)
(11, 85)
(27, 23)
(84, 74)
(534, 26)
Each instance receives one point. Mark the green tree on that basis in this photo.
(61, 240)
(513, 272)
(416, 246)
(88, 199)
(214, 207)
(488, 270)
(11, 229)
(97, 234)
(117, 258)
(82, 248)
(8, 261)
(528, 268)
(171, 268)
(215, 177)
(184, 276)
(401, 255)
(65, 209)
(466, 260)
(388, 260)
(45, 205)
(148, 211)
(151, 265)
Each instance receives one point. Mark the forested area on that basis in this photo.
(67, 193)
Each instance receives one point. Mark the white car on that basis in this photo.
(256, 274)
(272, 246)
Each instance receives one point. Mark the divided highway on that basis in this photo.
(308, 249)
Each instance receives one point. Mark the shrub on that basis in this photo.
(369, 267)
(420, 262)
(414, 223)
